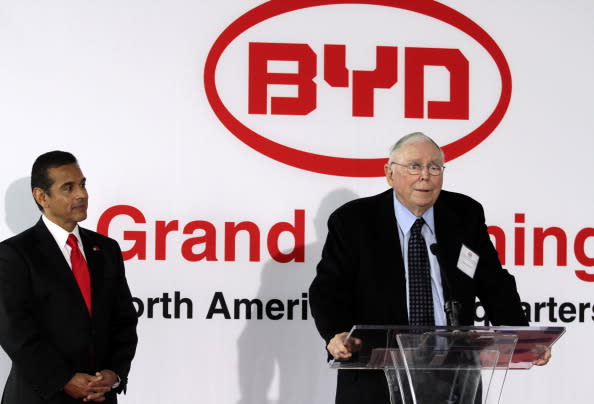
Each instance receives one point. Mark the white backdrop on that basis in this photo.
(121, 84)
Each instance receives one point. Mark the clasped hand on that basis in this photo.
(91, 388)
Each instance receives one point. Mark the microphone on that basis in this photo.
(452, 306)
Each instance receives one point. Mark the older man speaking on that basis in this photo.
(385, 255)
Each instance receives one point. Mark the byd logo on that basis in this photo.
(279, 103)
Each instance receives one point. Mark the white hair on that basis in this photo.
(411, 138)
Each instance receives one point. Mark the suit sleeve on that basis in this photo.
(330, 294)
(123, 337)
(38, 361)
(496, 287)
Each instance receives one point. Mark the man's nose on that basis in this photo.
(424, 172)
(81, 193)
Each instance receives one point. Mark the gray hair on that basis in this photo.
(412, 138)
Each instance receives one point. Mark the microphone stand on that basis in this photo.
(452, 308)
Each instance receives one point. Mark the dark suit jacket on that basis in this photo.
(44, 324)
(361, 280)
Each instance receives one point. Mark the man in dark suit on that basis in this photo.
(66, 316)
(364, 274)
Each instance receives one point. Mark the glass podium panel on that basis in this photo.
(430, 365)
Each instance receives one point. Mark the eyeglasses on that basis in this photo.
(416, 169)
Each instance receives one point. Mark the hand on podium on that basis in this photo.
(341, 349)
(544, 355)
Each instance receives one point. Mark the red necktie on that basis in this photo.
(80, 270)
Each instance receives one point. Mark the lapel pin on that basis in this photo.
(96, 248)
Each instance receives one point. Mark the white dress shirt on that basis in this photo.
(61, 236)
(405, 220)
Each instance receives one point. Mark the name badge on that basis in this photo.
(467, 261)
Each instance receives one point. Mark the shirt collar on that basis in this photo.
(59, 234)
(406, 219)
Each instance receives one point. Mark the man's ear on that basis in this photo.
(388, 173)
(40, 197)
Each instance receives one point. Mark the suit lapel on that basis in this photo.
(449, 235)
(51, 255)
(52, 259)
(390, 263)
(448, 232)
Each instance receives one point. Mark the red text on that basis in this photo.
(201, 243)
(363, 83)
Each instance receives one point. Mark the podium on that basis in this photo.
(443, 364)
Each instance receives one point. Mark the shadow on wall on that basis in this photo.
(20, 213)
(20, 209)
(290, 350)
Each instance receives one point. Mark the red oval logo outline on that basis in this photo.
(343, 166)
